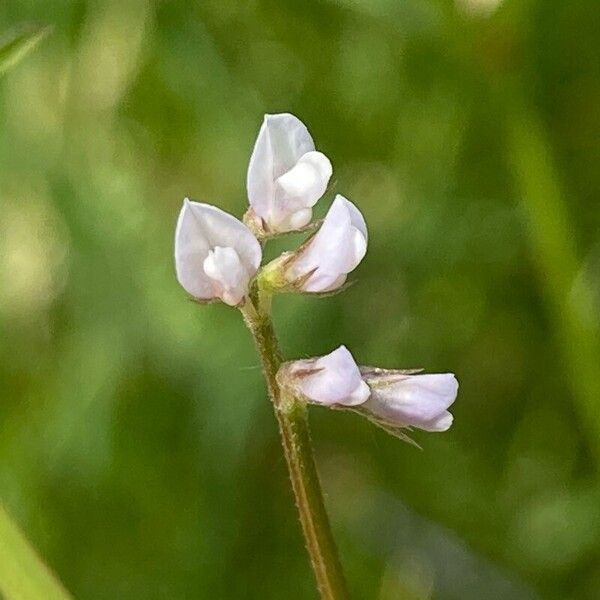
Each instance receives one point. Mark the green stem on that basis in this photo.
(295, 436)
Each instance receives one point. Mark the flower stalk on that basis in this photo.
(218, 257)
(292, 419)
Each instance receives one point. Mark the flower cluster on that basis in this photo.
(218, 257)
(391, 398)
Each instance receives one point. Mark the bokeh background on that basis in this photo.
(137, 448)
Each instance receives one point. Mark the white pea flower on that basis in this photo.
(324, 262)
(333, 379)
(393, 399)
(404, 400)
(286, 175)
(216, 255)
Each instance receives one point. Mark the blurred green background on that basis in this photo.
(137, 448)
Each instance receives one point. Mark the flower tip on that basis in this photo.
(454, 382)
(191, 205)
(269, 118)
(326, 166)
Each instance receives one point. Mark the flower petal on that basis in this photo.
(298, 220)
(306, 181)
(415, 400)
(191, 249)
(441, 423)
(230, 277)
(200, 229)
(335, 250)
(334, 379)
(356, 219)
(282, 140)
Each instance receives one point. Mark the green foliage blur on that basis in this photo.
(137, 448)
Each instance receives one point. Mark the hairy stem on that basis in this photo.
(297, 447)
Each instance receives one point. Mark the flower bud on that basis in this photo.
(322, 264)
(216, 255)
(286, 176)
(330, 380)
(404, 400)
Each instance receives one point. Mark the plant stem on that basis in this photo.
(295, 436)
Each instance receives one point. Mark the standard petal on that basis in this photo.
(356, 250)
(222, 229)
(334, 379)
(260, 181)
(289, 140)
(191, 249)
(356, 218)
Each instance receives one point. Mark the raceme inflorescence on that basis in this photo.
(219, 258)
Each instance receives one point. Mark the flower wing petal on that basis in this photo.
(305, 182)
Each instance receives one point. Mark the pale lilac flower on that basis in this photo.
(336, 249)
(403, 400)
(333, 379)
(216, 255)
(286, 175)
(392, 399)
